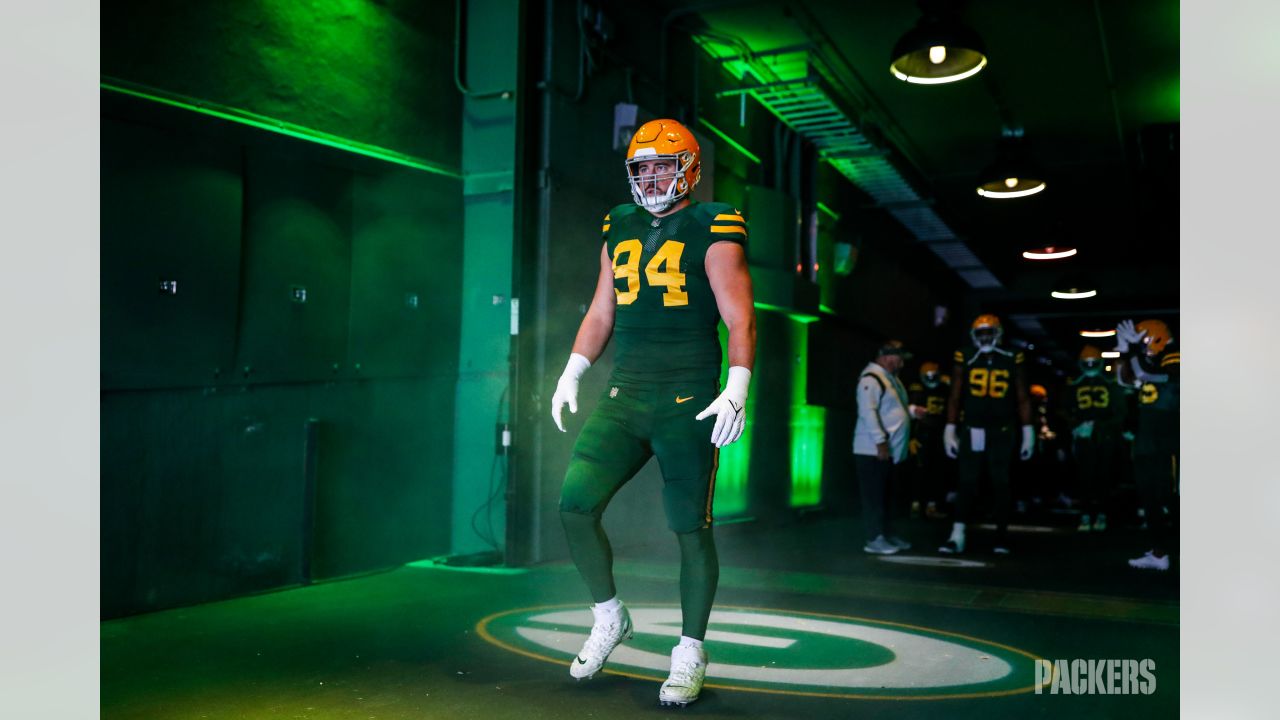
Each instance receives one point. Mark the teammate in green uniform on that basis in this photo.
(989, 384)
(1097, 406)
(1150, 365)
(670, 270)
(930, 393)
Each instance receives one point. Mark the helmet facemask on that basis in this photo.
(986, 337)
(677, 190)
(930, 379)
(1091, 367)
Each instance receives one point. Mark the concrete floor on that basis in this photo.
(803, 618)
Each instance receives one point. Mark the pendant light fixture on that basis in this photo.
(1012, 175)
(1074, 287)
(939, 49)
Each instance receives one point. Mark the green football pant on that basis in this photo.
(996, 458)
(631, 425)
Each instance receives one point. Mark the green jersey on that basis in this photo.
(666, 323)
(934, 402)
(1097, 398)
(988, 396)
(1158, 404)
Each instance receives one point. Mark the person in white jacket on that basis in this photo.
(880, 440)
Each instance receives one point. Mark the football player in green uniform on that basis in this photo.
(989, 385)
(670, 270)
(1096, 407)
(1150, 365)
(931, 394)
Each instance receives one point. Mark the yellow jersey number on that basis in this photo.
(984, 382)
(663, 271)
(935, 405)
(1094, 396)
(1150, 393)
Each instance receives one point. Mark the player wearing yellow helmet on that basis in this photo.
(671, 269)
(1149, 364)
(1096, 407)
(989, 385)
(928, 469)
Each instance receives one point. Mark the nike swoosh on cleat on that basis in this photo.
(683, 400)
(580, 660)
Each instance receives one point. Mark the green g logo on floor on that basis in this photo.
(781, 651)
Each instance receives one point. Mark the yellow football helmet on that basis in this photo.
(986, 330)
(1157, 335)
(1090, 360)
(659, 140)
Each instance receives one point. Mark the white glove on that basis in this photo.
(567, 387)
(950, 442)
(1084, 430)
(729, 408)
(1126, 335)
(1028, 442)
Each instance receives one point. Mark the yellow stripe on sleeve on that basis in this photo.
(959, 356)
(727, 216)
(728, 229)
(605, 229)
(1171, 360)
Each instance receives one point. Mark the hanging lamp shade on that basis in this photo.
(1076, 286)
(939, 49)
(1012, 175)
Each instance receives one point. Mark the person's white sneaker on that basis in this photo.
(880, 546)
(1150, 562)
(688, 670)
(611, 627)
(1100, 523)
(955, 545)
(1085, 525)
(898, 542)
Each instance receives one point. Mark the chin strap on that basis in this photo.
(983, 349)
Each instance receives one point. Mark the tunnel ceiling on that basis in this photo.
(1095, 90)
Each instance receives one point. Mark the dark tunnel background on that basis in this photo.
(333, 274)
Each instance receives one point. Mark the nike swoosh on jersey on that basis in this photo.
(683, 400)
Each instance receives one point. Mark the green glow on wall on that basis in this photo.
(797, 316)
(735, 460)
(731, 142)
(808, 427)
(280, 127)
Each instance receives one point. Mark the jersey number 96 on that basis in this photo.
(988, 383)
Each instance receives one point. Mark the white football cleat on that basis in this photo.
(880, 546)
(611, 627)
(955, 544)
(1100, 523)
(1150, 562)
(898, 542)
(1085, 525)
(688, 670)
